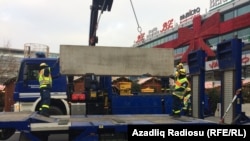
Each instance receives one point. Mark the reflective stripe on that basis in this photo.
(178, 94)
(45, 106)
(176, 112)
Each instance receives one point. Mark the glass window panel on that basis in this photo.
(227, 36)
(243, 32)
(228, 16)
(243, 10)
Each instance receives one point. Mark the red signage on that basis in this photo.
(167, 25)
(213, 65)
(152, 33)
(245, 59)
(140, 38)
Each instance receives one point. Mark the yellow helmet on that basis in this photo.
(180, 65)
(43, 64)
(182, 72)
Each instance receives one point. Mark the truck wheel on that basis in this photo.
(55, 111)
(6, 133)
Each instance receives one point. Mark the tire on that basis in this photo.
(55, 111)
(6, 133)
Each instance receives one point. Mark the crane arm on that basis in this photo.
(103, 5)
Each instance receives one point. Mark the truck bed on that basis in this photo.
(36, 122)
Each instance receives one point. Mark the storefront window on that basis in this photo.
(227, 36)
(213, 41)
(243, 10)
(228, 16)
(243, 32)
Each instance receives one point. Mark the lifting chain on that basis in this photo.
(139, 29)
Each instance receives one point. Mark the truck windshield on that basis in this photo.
(31, 71)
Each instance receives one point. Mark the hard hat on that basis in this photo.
(180, 65)
(43, 64)
(182, 72)
(188, 89)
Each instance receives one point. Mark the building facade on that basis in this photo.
(225, 20)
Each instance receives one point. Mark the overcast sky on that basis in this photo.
(55, 22)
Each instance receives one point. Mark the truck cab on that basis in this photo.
(27, 92)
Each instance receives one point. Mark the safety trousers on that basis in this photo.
(176, 106)
(45, 102)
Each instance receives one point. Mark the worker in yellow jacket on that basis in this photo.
(180, 87)
(45, 81)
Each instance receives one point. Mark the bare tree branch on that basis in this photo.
(8, 63)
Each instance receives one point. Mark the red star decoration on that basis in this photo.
(195, 36)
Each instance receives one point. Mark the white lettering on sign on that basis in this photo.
(153, 32)
(217, 3)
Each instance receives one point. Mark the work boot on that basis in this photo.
(44, 112)
(176, 115)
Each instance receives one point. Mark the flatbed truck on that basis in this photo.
(34, 127)
(125, 110)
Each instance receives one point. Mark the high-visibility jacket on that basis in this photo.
(180, 88)
(45, 81)
(187, 101)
